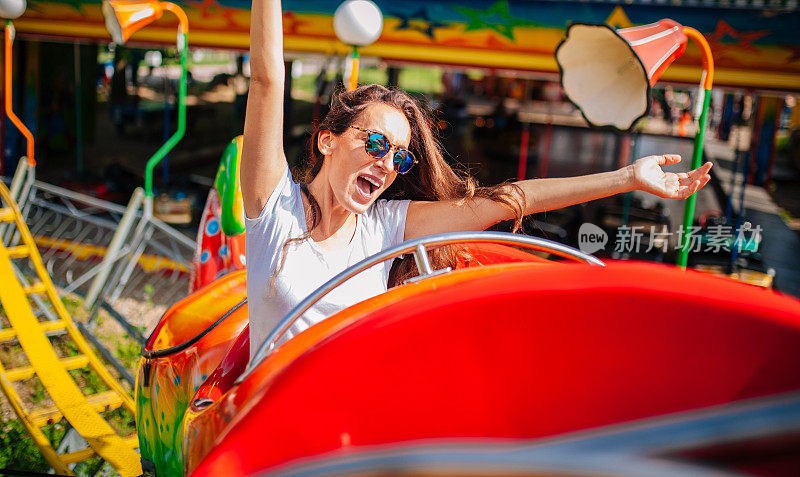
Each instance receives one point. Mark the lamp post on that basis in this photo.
(10, 10)
(704, 97)
(608, 75)
(123, 18)
(357, 23)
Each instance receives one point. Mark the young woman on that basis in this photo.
(374, 143)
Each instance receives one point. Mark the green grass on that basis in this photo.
(17, 450)
(372, 76)
(39, 394)
(413, 79)
(149, 291)
(421, 79)
(129, 351)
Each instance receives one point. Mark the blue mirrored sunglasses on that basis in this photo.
(377, 145)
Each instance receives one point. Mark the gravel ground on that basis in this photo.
(140, 313)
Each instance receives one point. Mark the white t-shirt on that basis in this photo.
(307, 265)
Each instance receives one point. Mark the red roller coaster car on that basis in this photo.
(520, 366)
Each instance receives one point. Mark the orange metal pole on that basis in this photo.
(182, 19)
(697, 153)
(8, 80)
(353, 83)
(705, 50)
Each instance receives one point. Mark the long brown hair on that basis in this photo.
(431, 179)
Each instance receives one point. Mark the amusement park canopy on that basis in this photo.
(755, 42)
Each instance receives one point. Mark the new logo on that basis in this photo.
(591, 238)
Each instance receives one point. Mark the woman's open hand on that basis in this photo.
(650, 177)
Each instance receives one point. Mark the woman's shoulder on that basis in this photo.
(284, 205)
(386, 218)
(383, 209)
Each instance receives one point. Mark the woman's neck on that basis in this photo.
(335, 224)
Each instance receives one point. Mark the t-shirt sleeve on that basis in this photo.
(283, 188)
(391, 215)
(267, 233)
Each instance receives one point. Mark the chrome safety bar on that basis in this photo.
(418, 248)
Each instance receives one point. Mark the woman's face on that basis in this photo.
(357, 178)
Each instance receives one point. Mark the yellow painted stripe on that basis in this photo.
(59, 384)
(82, 251)
(735, 77)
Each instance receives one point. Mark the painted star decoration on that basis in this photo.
(742, 40)
(291, 23)
(497, 18)
(419, 21)
(213, 9)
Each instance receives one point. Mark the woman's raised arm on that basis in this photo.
(539, 195)
(263, 159)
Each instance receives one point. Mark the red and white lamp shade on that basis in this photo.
(608, 73)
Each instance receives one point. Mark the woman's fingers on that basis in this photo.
(686, 191)
(679, 185)
(705, 168)
(690, 181)
(687, 178)
(687, 187)
(698, 173)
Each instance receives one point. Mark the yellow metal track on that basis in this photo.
(82, 412)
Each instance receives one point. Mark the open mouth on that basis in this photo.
(367, 185)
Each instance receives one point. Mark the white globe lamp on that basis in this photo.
(11, 9)
(357, 23)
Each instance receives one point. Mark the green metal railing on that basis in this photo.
(175, 138)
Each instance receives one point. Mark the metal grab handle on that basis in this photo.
(418, 248)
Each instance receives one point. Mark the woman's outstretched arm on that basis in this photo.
(263, 159)
(539, 195)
